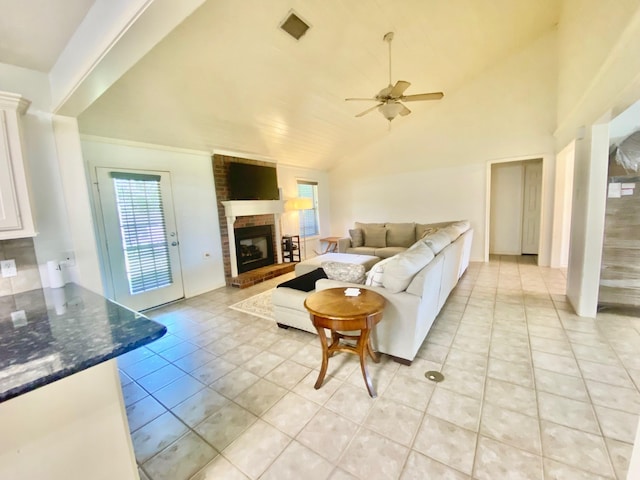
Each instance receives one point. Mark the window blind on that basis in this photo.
(142, 228)
(309, 218)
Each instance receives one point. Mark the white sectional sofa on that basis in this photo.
(409, 312)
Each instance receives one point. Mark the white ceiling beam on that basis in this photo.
(114, 36)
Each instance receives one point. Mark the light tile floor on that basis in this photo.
(531, 391)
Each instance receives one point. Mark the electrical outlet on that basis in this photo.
(19, 318)
(8, 268)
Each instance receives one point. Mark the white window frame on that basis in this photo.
(305, 215)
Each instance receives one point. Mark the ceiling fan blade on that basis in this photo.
(422, 96)
(360, 99)
(399, 88)
(405, 111)
(368, 110)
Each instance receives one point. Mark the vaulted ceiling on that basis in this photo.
(229, 78)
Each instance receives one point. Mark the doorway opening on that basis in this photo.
(515, 207)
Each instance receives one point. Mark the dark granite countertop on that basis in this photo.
(49, 334)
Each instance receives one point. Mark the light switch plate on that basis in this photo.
(8, 268)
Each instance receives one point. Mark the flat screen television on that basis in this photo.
(252, 182)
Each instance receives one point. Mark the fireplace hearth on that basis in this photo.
(254, 247)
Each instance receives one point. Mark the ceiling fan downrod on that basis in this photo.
(388, 37)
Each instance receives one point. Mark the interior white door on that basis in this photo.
(531, 207)
(140, 236)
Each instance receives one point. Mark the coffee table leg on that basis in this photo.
(363, 348)
(325, 357)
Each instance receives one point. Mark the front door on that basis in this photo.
(140, 236)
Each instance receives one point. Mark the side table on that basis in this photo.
(332, 244)
(334, 310)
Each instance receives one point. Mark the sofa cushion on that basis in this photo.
(375, 237)
(357, 237)
(364, 226)
(344, 272)
(452, 232)
(362, 251)
(401, 269)
(306, 282)
(462, 226)
(387, 252)
(437, 241)
(374, 277)
(424, 230)
(400, 234)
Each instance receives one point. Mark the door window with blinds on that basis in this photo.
(309, 224)
(142, 227)
(139, 239)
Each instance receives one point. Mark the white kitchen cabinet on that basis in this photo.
(16, 218)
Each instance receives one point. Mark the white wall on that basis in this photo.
(587, 222)
(505, 237)
(288, 177)
(562, 207)
(41, 156)
(76, 195)
(432, 165)
(194, 203)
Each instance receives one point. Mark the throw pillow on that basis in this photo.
(344, 272)
(374, 277)
(400, 234)
(401, 269)
(375, 237)
(437, 241)
(357, 237)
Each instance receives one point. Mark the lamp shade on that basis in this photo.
(298, 203)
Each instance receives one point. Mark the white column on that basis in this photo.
(78, 203)
(232, 246)
(278, 245)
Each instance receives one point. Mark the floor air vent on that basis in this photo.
(294, 26)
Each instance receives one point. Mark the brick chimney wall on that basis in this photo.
(220, 177)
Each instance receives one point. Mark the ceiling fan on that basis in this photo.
(389, 98)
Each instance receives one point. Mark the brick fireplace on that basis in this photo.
(240, 214)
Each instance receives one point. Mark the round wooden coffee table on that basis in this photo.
(334, 310)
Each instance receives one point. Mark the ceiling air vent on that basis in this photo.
(294, 26)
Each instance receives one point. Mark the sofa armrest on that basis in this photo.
(343, 244)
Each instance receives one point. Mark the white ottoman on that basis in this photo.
(316, 262)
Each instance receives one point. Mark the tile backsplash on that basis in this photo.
(23, 252)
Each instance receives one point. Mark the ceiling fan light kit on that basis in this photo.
(390, 109)
(389, 98)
